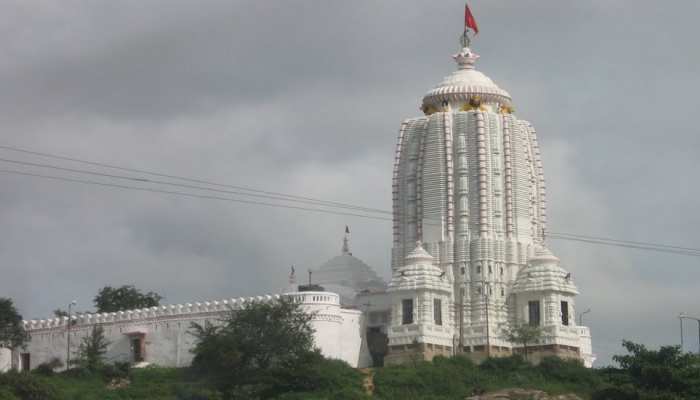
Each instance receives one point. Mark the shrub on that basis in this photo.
(505, 364)
(6, 394)
(565, 370)
(48, 368)
(92, 350)
(199, 394)
(443, 378)
(27, 386)
(615, 393)
(118, 370)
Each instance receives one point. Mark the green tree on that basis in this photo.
(12, 333)
(92, 349)
(253, 349)
(126, 297)
(667, 370)
(523, 334)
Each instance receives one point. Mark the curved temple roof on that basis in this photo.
(465, 84)
(543, 273)
(347, 275)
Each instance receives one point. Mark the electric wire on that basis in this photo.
(362, 212)
(625, 241)
(186, 179)
(185, 194)
(629, 246)
(319, 210)
(182, 185)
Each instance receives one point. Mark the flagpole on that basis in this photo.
(465, 38)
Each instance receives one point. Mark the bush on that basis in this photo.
(118, 370)
(615, 393)
(443, 378)
(505, 364)
(6, 394)
(48, 368)
(199, 394)
(566, 370)
(27, 386)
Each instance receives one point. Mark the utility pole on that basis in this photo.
(488, 333)
(68, 326)
(461, 319)
(683, 316)
(580, 317)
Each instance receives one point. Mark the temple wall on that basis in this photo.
(5, 360)
(166, 331)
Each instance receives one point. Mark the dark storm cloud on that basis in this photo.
(306, 97)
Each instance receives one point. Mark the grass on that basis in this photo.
(147, 383)
(441, 379)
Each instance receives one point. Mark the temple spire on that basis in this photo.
(346, 242)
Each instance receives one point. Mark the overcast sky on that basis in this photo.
(306, 97)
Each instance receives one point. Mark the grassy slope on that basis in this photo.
(149, 383)
(441, 380)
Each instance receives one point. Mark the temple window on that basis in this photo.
(437, 311)
(565, 313)
(407, 311)
(533, 313)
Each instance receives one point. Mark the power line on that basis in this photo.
(112, 185)
(160, 182)
(362, 211)
(625, 241)
(186, 179)
(629, 246)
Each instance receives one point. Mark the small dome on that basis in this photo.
(420, 272)
(543, 273)
(419, 254)
(464, 84)
(347, 275)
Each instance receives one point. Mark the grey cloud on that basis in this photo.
(306, 97)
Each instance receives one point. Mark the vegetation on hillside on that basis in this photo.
(266, 352)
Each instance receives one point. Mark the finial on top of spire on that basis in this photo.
(346, 242)
(466, 58)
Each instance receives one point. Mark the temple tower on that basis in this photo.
(468, 183)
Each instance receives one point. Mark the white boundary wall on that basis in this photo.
(166, 330)
(5, 360)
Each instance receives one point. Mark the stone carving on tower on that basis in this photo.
(468, 183)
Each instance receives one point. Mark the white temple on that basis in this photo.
(469, 258)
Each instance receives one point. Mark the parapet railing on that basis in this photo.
(150, 313)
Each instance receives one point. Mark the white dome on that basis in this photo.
(466, 83)
(347, 275)
(543, 273)
(420, 272)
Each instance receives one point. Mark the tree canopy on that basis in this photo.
(126, 297)
(667, 370)
(257, 348)
(524, 334)
(92, 350)
(12, 333)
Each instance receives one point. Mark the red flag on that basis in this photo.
(469, 20)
